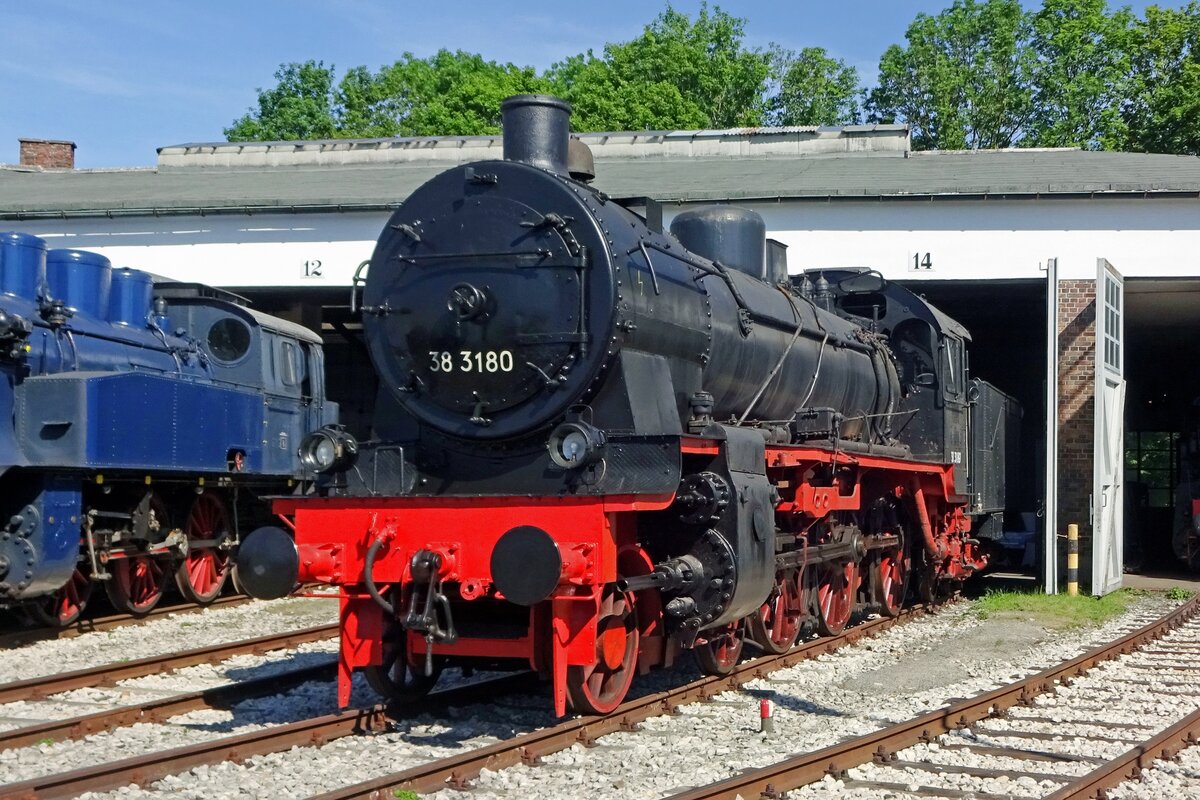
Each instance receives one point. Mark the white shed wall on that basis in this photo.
(967, 239)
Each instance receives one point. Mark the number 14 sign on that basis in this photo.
(920, 262)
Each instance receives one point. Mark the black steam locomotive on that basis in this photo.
(598, 443)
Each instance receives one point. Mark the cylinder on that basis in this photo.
(131, 296)
(80, 279)
(22, 265)
(733, 236)
(537, 131)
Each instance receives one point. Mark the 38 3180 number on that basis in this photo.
(471, 361)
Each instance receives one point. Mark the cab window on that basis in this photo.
(291, 365)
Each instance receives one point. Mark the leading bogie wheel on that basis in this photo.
(837, 586)
(721, 648)
(600, 687)
(777, 624)
(397, 679)
(138, 579)
(201, 574)
(63, 607)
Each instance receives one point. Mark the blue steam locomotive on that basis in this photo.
(139, 422)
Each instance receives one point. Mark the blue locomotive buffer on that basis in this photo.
(112, 385)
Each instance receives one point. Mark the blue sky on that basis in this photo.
(123, 77)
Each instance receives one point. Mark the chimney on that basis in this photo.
(47, 153)
(537, 130)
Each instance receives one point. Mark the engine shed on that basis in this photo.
(1075, 272)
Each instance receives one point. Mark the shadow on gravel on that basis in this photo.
(292, 662)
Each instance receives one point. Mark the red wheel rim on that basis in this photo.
(202, 574)
(719, 649)
(67, 604)
(726, 646)
(891, 585)
(778, 622)
(835, 596)
(138, 581)
(600, 687)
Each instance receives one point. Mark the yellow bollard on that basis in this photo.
(1072, 559)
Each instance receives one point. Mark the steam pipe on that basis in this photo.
(918, 498)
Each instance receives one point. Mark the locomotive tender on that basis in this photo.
(598, 443)
(135, 414)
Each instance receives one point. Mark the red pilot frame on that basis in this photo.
(534, 580)
(585, 638)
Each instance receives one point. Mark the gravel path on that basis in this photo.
(893, 676)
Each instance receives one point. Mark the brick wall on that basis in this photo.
(1076, 399)
(48, 153)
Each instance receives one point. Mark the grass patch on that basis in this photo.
(405, 794)
(1178, 593)
(1058, 611)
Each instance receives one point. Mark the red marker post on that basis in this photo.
(766, 720)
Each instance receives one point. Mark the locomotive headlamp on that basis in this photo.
(328, 449)
(574, 444)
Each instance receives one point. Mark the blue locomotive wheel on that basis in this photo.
(136, 584)
(65, 606)
(201, 574)
(138, 579)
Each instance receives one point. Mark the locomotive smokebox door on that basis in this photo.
(495, 334)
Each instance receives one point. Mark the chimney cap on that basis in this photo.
(35, 140)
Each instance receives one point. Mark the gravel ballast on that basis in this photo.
(896, 675)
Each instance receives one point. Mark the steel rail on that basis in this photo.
(774, 780)
(314, 732)
(1129, 765)
(457, 770)
(161, 709)
(107, 674)
(144, 769)
(82, 626)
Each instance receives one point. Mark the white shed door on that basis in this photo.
(1108, 472)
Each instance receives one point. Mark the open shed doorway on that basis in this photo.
(1162, 333)
(1007, 322)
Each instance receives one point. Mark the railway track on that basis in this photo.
(18, 638)
(147, 768)
(108, 674)
(889, 751)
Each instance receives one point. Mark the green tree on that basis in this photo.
(1163, 108)
(1081, 75)
(964, 78)
(302, 105)
(814, 89)
(447, 94)
(680, 73)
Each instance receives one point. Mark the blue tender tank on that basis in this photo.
(139, 422)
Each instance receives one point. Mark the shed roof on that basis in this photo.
(32, 194)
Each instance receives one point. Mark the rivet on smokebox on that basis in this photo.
(766, 716)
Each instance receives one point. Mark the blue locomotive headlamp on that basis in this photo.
(575, 444)
(328, 449)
